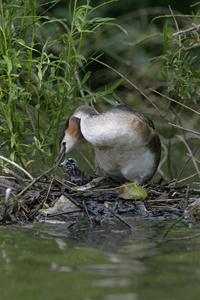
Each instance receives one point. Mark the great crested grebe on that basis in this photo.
(126, 144)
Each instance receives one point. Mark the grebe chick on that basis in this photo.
(125, 141)
(70, 164)
(73, 173)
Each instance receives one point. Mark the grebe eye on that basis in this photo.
(62, 145)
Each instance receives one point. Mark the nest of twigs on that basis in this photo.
(61, 199)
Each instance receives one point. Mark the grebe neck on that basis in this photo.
(84, 111)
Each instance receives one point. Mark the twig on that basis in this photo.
(197, 160)
(177, 102)
(8, 191)
(49, 188)
(64, 213)
(184, 179)
(191, 154)
(77, 203)
(132, 228)
(86, 210)
(17, 166)
(133, 85)
(185, 164)
(34, 181)
(92, 184)
(85, 158)
(185, 129)
(176, 23)
(183, 238)
(16, 176)
(187, 193)
(10, 184)
(183, 32)
(31, 120)
(168, 230)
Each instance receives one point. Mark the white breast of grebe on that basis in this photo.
(125, 142)
(121, 142)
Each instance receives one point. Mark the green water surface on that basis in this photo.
(49, 261)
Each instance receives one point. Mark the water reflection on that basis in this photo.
(42, 261)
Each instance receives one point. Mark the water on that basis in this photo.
(48, 261)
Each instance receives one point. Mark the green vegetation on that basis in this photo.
(39, 87)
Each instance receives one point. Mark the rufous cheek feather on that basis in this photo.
(74, 130)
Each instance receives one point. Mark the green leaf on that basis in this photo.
(87, 7)
(31, 2)
(12, 156)
(39, 72)
(164, 72)
(165, 37)
(86, 77)
(110, 100)
(12, 140)
(10, 6)
(8, 62)
(81, 57)
(21, 42)
(37, 143)
(30, 161)
(132, 191)
(192, 70)
(1, 128)
(114, 86)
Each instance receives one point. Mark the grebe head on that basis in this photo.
(70, 137)
(72, 131)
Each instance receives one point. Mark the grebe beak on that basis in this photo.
(60, 157)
